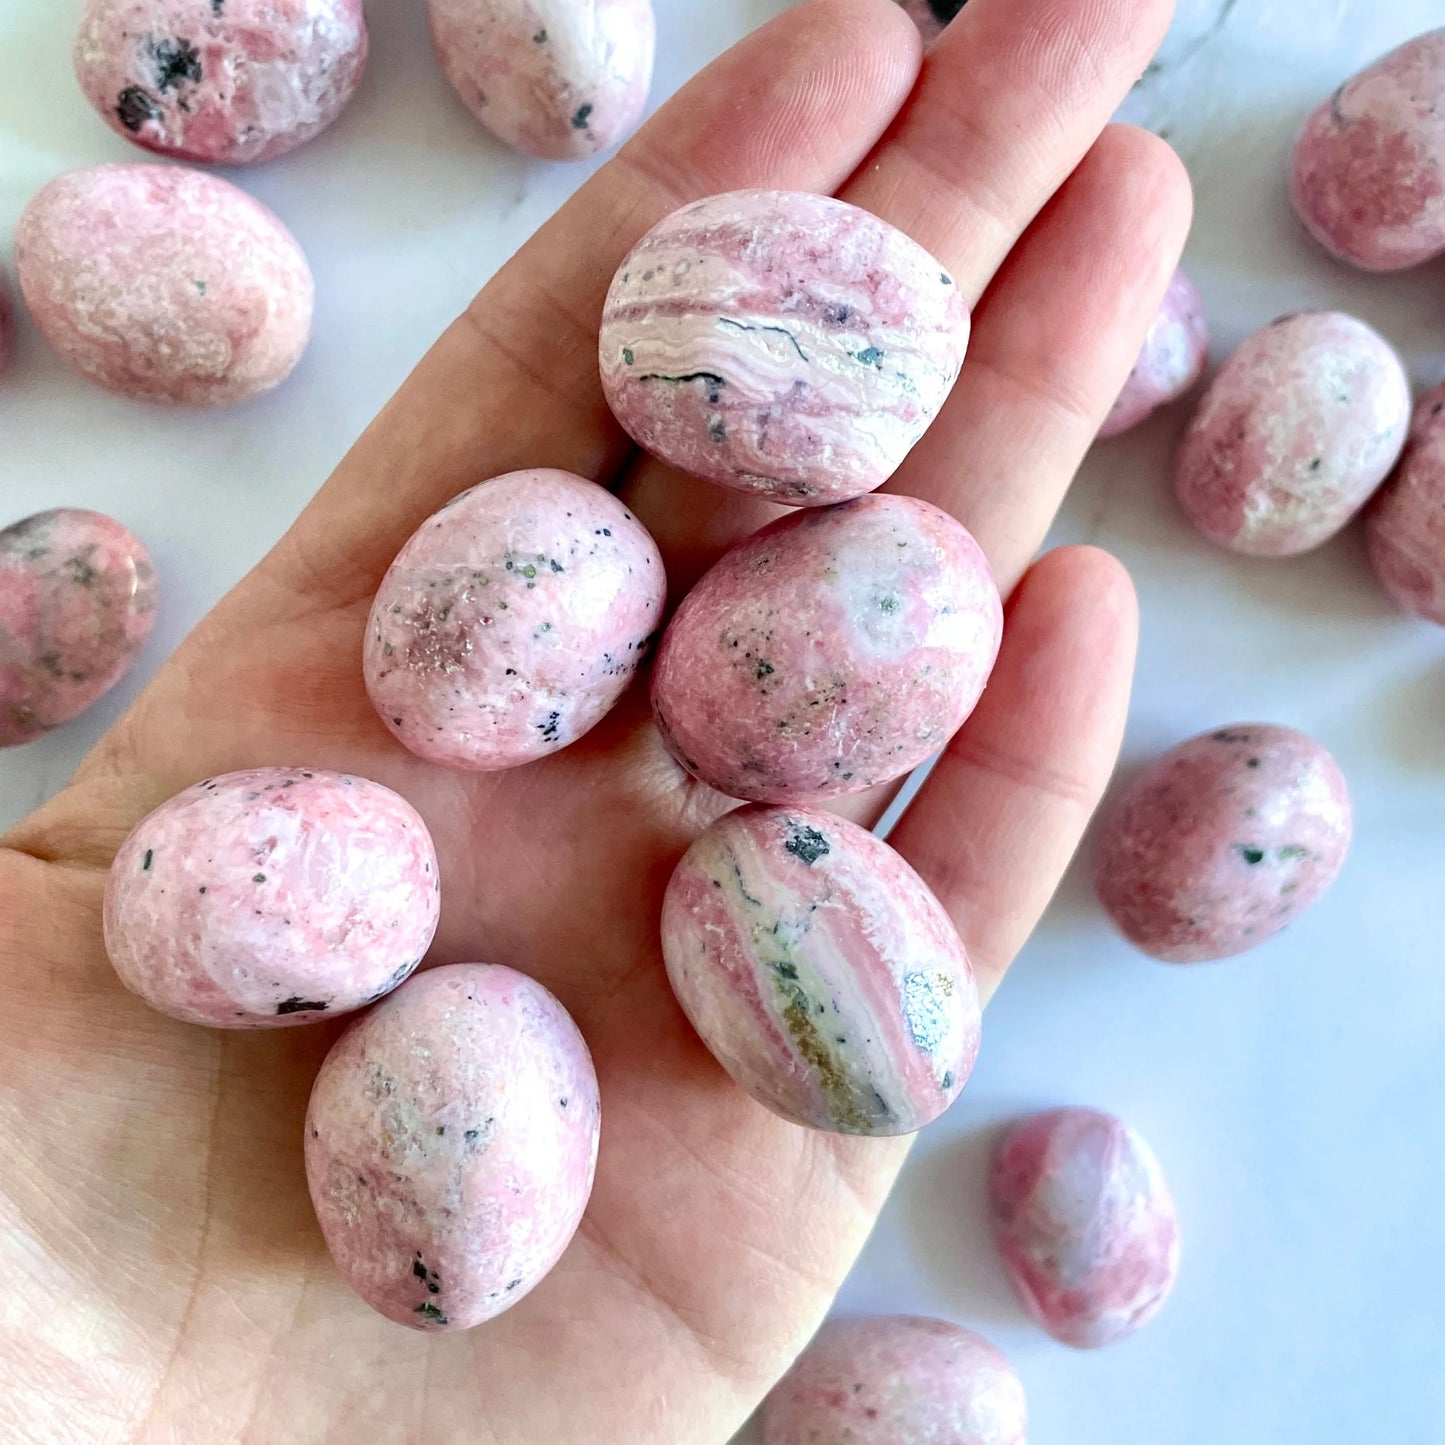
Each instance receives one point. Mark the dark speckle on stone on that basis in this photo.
(175, 61)
(583, 115)
(145, 863)
(296, 1005)
(514, 1284)
(134, 108)
(430, 1313)
(258, 878)
(808, 844)
(1251, 855)
(540, 38)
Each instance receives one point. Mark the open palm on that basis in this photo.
(163, 1278)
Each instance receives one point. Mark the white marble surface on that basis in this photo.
(1296, 1096)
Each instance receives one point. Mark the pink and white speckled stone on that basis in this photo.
(779, 343)
(1406, 523)
(1173, 358)
(229, 81)
(266, 898)
(164, 284)
(820, 971)
(7, 320)
(1222, 842)
(451, 1143)
(830, 651)
(1369, 168)
(513, 620)
(1085, 1223)
(1301, 425)
(931, 16)
(559, 79)
(77, 600)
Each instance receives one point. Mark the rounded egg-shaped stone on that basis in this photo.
(550, 78)
(164, 284)
(832, 650)
(778, 343)
(1292, 436)
(1085, 1223)
(1223, 841)
(513, 620)
(77, 601)
(820, 972)
(451, 1143)
(896, 1380)
(1406, 522)
(1172, 359)
(224, 81)
(272, 897)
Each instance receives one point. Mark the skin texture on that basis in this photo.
(780, 344)
(267, 898)
(451, 1144)
(830, 652)
(77, 601)
(172, 1151)
(557, 79)
(223, 81)
(1368, 177)
(164, 284)
(1085, 1224)
(1173, 359)
(820, 971)
(513, 620)
(1406, 522)
(1222, 842)
(1296, 431)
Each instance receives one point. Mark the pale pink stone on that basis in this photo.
(1085, 1223)
(1173, 358)
(897, 1380)
(1406, 523)
(559, 79)
(1222, 842)
(820, 971)
(832, 650)
(1369, 169)
(229, 81)
(932, 16)
(451, 1142)
(267, 898)
(779, 343)
(77, 600)
(513, 620)
(7, 320)
(164, 284)
(1300, 426)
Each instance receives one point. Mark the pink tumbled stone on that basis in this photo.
(451, 1142)
(832, 650)
(896, 1380)
(270, 897)
(558, 81)
(1369, 169)
(77, 600)
(780, 343)
(229, 81)
(1085, 1224)
(1222, 842)
(513, 620)
(7, 320)
(164, 284)
(820, 971)
(1406, 523)
(1173, 358)
(1292, 436)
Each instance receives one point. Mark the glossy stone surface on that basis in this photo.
(1368, 176)
(1084, 1221)
(77, 600)
(1223, 841)
(557, 79)
(513, 620)
(896, 1380)
(224, 81)
(451, 1142)
(1406, 523)
(820, 971)
(270, 897)
(164, 284)
(778, 343)
(1172, 360)
(828, 652)
(1292, 436)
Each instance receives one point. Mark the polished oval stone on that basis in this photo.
(1406, 524)
(1171, 361)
